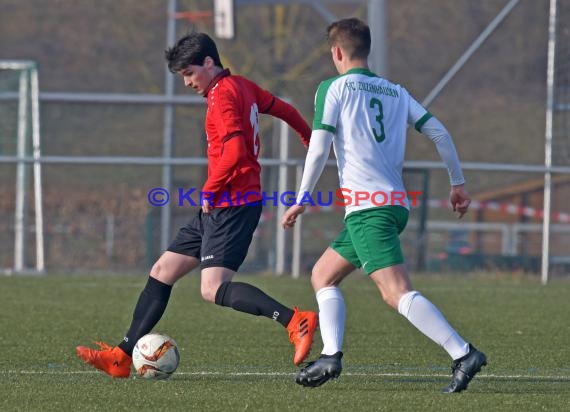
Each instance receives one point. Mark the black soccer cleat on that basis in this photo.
(318, 372)
(464, 369)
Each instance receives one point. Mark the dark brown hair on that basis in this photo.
(351, 35)
(192, 49)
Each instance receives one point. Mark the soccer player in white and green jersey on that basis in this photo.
(365, 117)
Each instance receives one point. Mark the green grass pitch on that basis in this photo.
(234, 362)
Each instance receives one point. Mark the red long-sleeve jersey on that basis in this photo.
(232, 129)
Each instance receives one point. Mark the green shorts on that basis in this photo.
(370, 238)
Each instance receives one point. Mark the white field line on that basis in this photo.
(545, 378)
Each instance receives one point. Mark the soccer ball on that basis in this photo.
(155, 356)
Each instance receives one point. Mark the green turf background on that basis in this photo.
(234, 362)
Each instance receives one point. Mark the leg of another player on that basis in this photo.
(327, 274)
(116, 361)
(152, 302)
(217, 287)
(396, 289)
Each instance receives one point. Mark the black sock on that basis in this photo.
(148, 311)
(249, 299)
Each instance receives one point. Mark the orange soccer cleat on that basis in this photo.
(301, 330)
(112, 361)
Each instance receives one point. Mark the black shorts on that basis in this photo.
(220, 238)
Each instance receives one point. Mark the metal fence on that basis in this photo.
(103, 152)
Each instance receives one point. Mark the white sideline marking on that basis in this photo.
(357, 374)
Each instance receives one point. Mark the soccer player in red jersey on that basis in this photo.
(218, 237)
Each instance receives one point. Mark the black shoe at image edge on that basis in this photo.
(320, 371)
(465, 369)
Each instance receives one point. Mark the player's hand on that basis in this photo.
(206, 206)
(290, 216)
(459, 199)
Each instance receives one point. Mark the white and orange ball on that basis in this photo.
(156, 356)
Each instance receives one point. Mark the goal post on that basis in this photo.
(557, 144)
(19, 83)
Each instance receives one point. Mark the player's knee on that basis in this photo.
(156, 270)
(160, 273)
(320, 280)
(316, 283)
(208, 291)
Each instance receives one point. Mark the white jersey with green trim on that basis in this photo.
(368, 116)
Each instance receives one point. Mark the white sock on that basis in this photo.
(428, 319)
(331, 319)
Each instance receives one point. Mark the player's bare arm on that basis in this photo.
(290, 216)
(459, 199)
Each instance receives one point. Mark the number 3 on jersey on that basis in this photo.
(379, 117)
(254, 120)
